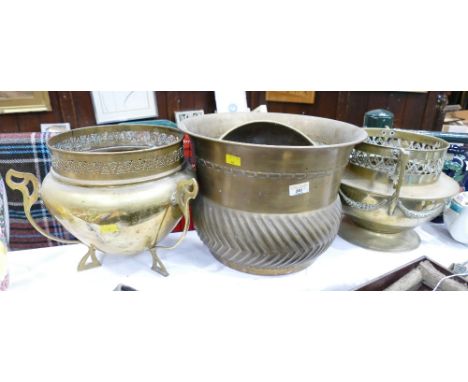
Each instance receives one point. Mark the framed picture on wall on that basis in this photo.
(123, 106)
(293, 96)
(24, 102)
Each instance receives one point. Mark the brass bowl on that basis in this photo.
(378, 158)
(119, 189)
(269, 209)
(393, 183)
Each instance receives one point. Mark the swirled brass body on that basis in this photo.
(269, 209)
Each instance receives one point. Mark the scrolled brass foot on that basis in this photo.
(91, 254)
(158, 265)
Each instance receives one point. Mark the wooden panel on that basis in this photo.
(29, 122)
(32, 121)
(291, 96)
(396, 104)
(67, 108)
(430, 112)
(356, 107)
(325, 104)
(378, 100)
(294, 108)
(161, 102)
(8, 123)
(342, 106)
(185, 100)
(412, 110)
(84, 110)
(255, 99)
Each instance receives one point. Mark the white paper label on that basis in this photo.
(298, 189)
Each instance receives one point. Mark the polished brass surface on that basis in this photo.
(386, 242)
(393, 183)
(117, 216)
(379, 156)
(30, 198)
(269, 209)
(438, 190)
(116, 153)
(398, 180)
(187, 190)
(371, 210)
(260, 176)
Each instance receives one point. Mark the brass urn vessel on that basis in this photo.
(271, 206)
(393, 183)
(119, 189)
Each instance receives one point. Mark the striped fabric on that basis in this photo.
(27, 152)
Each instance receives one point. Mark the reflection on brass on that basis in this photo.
(393, 183)
(402, 241)
(269, 209)
(119, 209)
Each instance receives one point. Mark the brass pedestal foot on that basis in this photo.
(83, 265)
(158, 265)
(384, 242)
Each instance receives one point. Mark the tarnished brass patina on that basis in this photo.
(119, 189)
(393, 183)
(269, 209)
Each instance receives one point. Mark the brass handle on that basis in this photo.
(403, 161)
(30, 199)
(186, 191)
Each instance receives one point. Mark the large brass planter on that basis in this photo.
(119, 189)
(393, 183)
(269, 209)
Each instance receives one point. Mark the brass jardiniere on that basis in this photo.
(269, 209)
(393, 183)
(119, 189)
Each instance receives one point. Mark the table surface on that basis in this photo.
(343, 266)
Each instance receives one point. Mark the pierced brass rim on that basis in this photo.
(152, 151)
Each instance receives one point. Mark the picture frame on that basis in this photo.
(181, 115)
(228, 101)
(24, 102)
(120, 106)
(291, 96)
(55, 128)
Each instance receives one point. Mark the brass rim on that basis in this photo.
(322, 146)
(116, 152)
(102, 128)
(371, 132)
